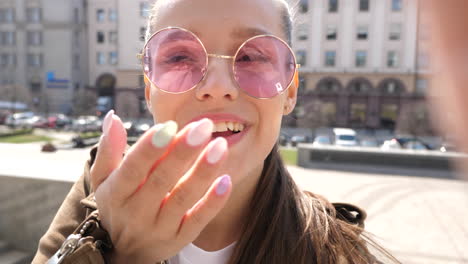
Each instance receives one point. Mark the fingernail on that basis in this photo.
(200, 133)
(107, 123)
(216, 150)
(164, 134)
(223, 185)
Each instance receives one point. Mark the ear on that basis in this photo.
(291, 98)
(148, 93)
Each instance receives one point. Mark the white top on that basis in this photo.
(192, 254)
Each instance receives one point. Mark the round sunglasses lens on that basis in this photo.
(264, 67)
(174, 60)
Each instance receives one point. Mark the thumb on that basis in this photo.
(110, 149)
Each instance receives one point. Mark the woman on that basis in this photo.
(217, 190)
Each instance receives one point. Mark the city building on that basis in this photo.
(114, 42)
(361, 62)
(42, 47)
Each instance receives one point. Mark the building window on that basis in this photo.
(392, 59)
(362, 32)
(304, 6)
(33, 15)
(332, 33)
(332, 6)
(35, 60)
(421, 86)
(423, 60)
(76, 15)
(7, 60)
(8, 38)
(395, 32)
(113, 58)
(100, 15)
(301, 56)
(361, 58)
(364, 5)
(100, 37)
(113, 37)
(76, 61)
(7, 15)
(144, 9)
(397, 5)
(302, 32)
(101, 58)
(34, 38)
(142, 33)
(330, 58)
(112, 15)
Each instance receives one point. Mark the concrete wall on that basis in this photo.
(309, 156)
(27, 207)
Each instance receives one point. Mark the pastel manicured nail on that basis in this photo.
(164, 134)
(216, 150)
(200, 132)
(107, 123)
(223, 185)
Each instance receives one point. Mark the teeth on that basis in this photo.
(230, 126)
(225, 126)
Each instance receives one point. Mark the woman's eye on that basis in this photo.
(178, 58)
(253, 58)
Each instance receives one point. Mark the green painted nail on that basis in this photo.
(164, 134)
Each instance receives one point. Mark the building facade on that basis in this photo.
(42, 47)
(360, 62)
(115, 36)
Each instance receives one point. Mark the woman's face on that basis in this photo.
(222, 26)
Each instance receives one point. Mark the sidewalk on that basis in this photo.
(419, 220)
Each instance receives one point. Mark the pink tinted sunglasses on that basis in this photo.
(175, 61)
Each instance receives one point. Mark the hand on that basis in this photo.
(159, 196)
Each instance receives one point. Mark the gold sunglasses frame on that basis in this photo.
(141, 57)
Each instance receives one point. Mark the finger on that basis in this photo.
(179, 158)
(193, 185)
(206, 209)
(110, 149)
(151, 151)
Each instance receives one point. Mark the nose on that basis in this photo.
(218, 83)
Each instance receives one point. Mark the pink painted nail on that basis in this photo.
(107, 123)
(216, 150)
(200, 133)
(223, 185)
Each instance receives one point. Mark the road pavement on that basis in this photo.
(421, 220)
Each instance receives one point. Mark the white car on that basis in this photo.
(322, 141)
(345, 137)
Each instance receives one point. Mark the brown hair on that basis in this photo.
(288, 225)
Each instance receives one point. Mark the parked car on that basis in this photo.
(345, 137)
(20, 120)
(390, 144)
(86, 123)
(299, 139)
(415, 145)
(136, 128)
(322, 140)
(369, 143)
(284, 139)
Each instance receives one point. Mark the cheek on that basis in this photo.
(164, 106)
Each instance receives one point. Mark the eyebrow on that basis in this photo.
(248, 32)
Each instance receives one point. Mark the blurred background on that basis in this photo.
(361, 131)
